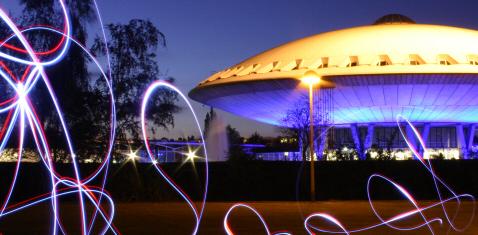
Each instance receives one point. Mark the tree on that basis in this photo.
(233, 136)
(83, 97)
(210, 116)
(236, 153)
(134, 66)
(256, 138)
(297, 122)
(69, 78)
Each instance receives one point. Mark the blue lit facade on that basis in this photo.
(425, 73)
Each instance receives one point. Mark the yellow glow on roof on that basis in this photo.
(374, 49)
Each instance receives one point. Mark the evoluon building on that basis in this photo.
(427, 73)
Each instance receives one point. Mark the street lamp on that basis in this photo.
(311, 79)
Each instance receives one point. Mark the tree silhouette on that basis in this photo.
(134, 66)
(210, 116)
(256, 138)
(297, 124)
(83, 96)
(235, 152)
(69, 78)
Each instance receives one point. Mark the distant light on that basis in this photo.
(155, 162)
(190, 156)
(400, 156)
(373, 155)
(132, 156)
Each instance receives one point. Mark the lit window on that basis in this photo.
(446, 60)
(325, 62)
(353, 61)
(275, 66)
(383, 60)
(254, 68)
(298, 64)
(415, 60)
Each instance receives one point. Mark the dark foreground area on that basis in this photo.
(175, 218)
(257, 180)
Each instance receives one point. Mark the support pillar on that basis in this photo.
(367, 144)
(411, 136)
(301, 147)
(320, 142)
(362, 145)
(471, 137)
(465, 140)
(358, 144)
(462, 143)
(425, 133)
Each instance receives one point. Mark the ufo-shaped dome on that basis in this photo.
(358, 62)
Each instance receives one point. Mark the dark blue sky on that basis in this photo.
(209, 35)
(204, 36)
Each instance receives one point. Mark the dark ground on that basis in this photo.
(257, 180)
(175, 218)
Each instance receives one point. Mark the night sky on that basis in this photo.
(205, 36)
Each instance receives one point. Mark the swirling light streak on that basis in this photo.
(21, 106)
(21, 110)
(198, 213)
(228, 229)
(419, 210)
(36, 62)
(104, 165)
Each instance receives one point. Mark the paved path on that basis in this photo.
(175, 218)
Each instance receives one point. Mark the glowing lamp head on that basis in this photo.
(310, 78)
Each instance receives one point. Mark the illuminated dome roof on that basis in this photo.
(395, 66)
(375, 49)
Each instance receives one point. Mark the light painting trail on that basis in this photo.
(389, 222)
(228, 229)
(198, 212)
(22, 112)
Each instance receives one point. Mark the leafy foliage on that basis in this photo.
(134, 66)
(297, 120)
(83, 96)
(210, 116)
(236, 153)
(79, 101)
(256, 138)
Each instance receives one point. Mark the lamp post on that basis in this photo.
(311, 79)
